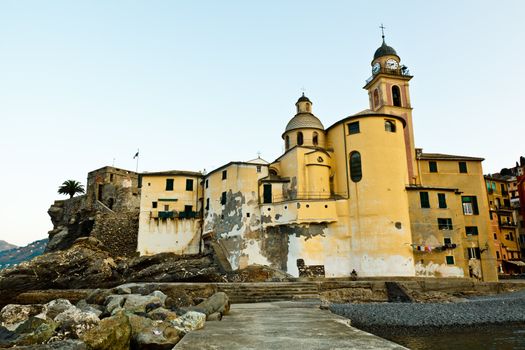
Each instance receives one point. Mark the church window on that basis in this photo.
(463, 167)
(356, 173)
(169, 184)
(206, 183)
(300, 138)
(353, 128)
(376, 98)
(315, 138)
(396, 96)
(423, 198)
(273, 172)
(223, 198)
(267, 193)
(433, 167)
(390, 126)
(189, 184)
(287, 142)
(224, 174)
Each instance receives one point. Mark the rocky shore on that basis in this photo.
(508, 308)
(114, 319)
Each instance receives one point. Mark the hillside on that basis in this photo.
(5, 246)
(17, 255)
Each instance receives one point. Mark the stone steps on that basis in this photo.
(269, 292)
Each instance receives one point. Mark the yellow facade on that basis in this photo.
(343, 198)
(170, 216)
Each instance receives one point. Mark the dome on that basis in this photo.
(304, 121)
(304, 99)
(384, 50)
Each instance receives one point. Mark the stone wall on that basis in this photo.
(117, 231)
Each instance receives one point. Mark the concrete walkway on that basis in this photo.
(281, 325)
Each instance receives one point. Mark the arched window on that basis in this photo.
(273, 172)
(287, 142)
(396, 96)
(299, 138)
(315, 138)
(390, 126)
(376, 98)
(356, 174)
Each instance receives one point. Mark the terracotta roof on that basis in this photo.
(172, 172)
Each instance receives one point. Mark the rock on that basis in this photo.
(56, 307)
(149, 334)
(76, 321)
(122, 290)
(144, 303)
(113, 302)
(218, 302)
(57, 345)
(112, 333)
(258, 273)
(7, 338)
(12, 315)
(190, 321)
(217, 316)
(162, 314)
(98, 296)
(35, 331)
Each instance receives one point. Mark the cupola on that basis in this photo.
(304, 129)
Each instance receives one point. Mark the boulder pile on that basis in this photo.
(108, 319)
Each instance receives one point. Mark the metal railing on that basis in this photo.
(301, 196)
(402, 71)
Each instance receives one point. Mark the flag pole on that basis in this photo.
(137, 167)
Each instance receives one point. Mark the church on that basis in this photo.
(354, 197)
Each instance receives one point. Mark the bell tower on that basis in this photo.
(389, 93)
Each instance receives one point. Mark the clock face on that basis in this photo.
(375, 68)
(391, 64)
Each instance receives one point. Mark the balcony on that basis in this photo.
(402, 71)
(508, 224)
(305, 196)
(164, 215)
(299, 212)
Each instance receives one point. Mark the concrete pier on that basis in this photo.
(281, 325)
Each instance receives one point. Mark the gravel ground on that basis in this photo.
(505, 308)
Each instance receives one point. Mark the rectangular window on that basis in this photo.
(471, 230)
(423, 198)
(206, 183)
(442, 199)
(207, 204)
(353, 128)
(223, 198)
(447, 240)
(444, 223)
(495, 235)
(433, 167)
(166, 207)
(497, 254)
(188, 208)
(224, 174)
(258, 168)
(490, 215)
(154, 205)
(449, 259)
(470, 205)
(169, 184)
(463, 167)
(189, 184)
(473, 253)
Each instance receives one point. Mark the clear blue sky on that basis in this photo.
(195, 84)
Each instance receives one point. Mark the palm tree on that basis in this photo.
(71, 187)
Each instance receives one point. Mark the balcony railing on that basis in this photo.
(172, 214)
(403, 71)
(508, 224)
(301, 196)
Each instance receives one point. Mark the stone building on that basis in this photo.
(353, 196)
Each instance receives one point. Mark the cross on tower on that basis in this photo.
(382, 31)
